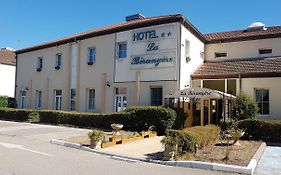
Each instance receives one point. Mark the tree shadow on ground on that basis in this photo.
(155, 156)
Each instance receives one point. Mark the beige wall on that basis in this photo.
(145, 91)
(91, 76)
(47, 80)
(244, 49)
(273, 84)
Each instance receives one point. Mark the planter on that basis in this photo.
(236, 135)
(96, 144)
(117, 128)
(170, 152)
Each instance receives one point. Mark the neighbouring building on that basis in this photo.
(143, 60)
(7, 72)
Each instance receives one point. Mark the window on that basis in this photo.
(187, 51)
(23, 99)
(72, 99)
(38, 101)
(58, 61)
(262, 98)
(122, 50)
(220, 54)
(265, 51)
(58, 99)
(156, 96)
(91, 56)
(39, 64)
(91, 99)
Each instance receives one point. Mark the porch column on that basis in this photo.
(225, 85)
(202, 111)
(237, 86)
(209, 112)
(201, 83)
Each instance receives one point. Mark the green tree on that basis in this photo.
(3, 101)
(245, 107)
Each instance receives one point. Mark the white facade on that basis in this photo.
(7, 79)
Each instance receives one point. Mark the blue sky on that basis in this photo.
(29, 22)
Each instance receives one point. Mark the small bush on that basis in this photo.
(245, 107)
(189, 139)
(266, 130)
(3, 101)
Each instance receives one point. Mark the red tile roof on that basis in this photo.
(258, 67)
(7, 57)
(242, 35)
(130, 25)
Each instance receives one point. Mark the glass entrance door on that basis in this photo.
(120, 103)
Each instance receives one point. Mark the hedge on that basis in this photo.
(16, 114)
(135, 118)
(258, 129)
(189, 139)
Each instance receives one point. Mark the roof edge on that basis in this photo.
(165, 20)
(241, 75)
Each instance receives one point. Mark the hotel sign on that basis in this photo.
(156, 53)
(152, 61)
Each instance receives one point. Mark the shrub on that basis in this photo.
(245, 107)
(3, 101)
(144, 117)
(189, 139)
(257, 129)
(15, 114)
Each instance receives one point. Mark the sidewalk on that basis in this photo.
(145, 148)
(270, 161)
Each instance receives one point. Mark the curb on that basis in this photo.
(187, 164)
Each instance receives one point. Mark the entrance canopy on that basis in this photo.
(200, 93)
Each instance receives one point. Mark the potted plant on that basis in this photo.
(96, 137)
(171, 145)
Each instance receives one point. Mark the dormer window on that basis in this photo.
(220, 54)
(265, 51)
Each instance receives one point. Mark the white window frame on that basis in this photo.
(38, 99)
(57, 106)
(263, 89)
(91, 109)
(91, 59)
(58, 64)
(23, 99)
(119, 56)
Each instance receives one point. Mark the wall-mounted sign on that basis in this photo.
(197, 93)
(153, 34)
(153, 61)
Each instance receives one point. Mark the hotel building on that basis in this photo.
(142, 60)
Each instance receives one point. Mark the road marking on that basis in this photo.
(13, 146)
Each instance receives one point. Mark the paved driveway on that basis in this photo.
(270, 162)
(25, 150)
